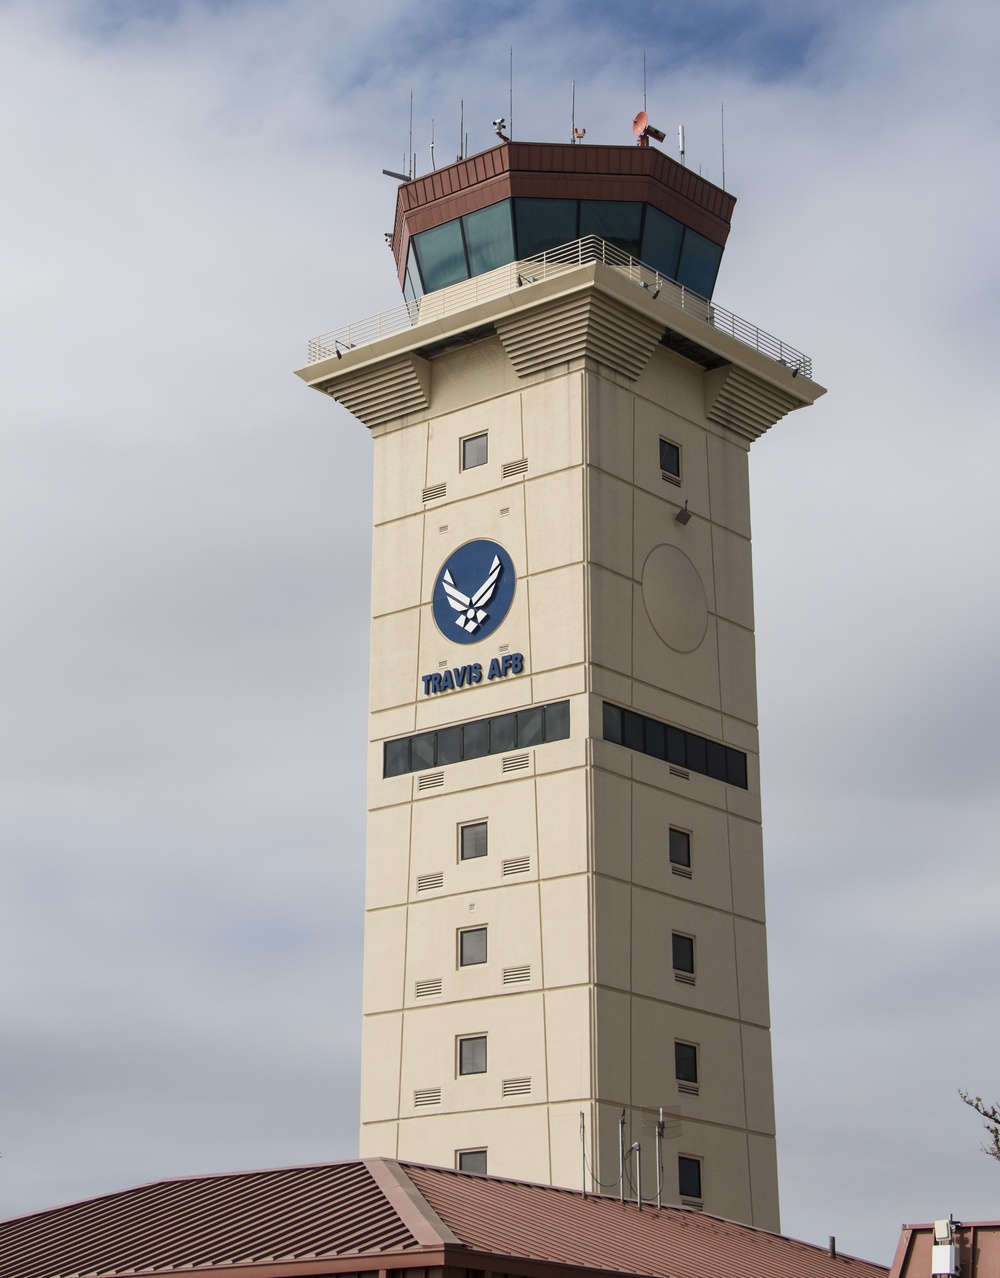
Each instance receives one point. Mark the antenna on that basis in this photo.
(510, 93)
(723, 113)
(621, 1159)
(572, 114)
(644, 80)
(409, 149)
(638, 1175)
(433, 165)
(659, 1160)
(583, 1153)
(461, 133)
(680, 142)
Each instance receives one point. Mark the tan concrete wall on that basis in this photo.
(591, 911)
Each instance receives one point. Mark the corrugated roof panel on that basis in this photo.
(563, 1227)
(294, 1213)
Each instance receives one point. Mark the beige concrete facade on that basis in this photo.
(615, 601)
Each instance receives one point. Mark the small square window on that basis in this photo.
(475, 451)
(689, 1176)
(683, 953)
(471, 1160)
(680, 848)
(472, 1055)
(472, 841)
(686, 1062)
(670, 458)
(471, 946)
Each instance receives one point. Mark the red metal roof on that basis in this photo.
(380, 1215)
(562, 1226)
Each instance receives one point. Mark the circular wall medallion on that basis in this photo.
(674, 598)
(473, 591)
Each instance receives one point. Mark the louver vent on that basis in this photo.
(516, 1086)
(517, 975)
(504, 512)
(428, 989)
(694, 1203)
(682, 870)
(442, 528)
(680, 772)
(427, 1096)
(689, 1089)
(671, 479)
(516, 865)
(430, 781)
(425, 882)
(515, 762)
(510, 469)
(685, 978)
(435, 492)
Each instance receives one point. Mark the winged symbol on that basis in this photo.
(471, 609)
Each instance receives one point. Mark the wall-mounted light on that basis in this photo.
(683, 516)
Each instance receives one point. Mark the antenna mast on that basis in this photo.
(410, 159)
(510, 95)
(644, 106)
(723, 111)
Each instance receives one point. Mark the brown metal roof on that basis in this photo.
(249, 1217)
(379, 1215)
(561, 1226)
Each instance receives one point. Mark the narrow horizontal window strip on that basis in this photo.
(676, 746)
(473, 740)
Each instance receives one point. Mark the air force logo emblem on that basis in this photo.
(473, 591)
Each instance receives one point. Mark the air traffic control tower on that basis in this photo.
(564, 944)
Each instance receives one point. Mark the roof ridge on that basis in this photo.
(409, 1204)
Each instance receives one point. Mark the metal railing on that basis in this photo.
(531, 270)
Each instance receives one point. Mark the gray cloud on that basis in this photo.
(194, 189)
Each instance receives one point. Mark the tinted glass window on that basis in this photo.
(661, 242)
(689, 1177)
(715, 760)
(736, 767)
(632, 734)
(670, 458)
(472, 1160)
(680, 848)
(695, 752)
(656, 739)
(676, 747)
(503, 733)
(686, 1062)
(477, 739)
(472, 1055)
(612, 723)
(683, 952)
(557, 721)
(422, 751)
(441, 255)
(543, 224)
(616, 221)
(472, 841)
(397, 757)
(472, 946)
(699, 266)
(412, 288)
(489, 237)
(449, 745)
(475, 451)
(530, 727)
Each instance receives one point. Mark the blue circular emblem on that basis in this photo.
(473, 591)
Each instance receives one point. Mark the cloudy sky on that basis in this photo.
(191, 190)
